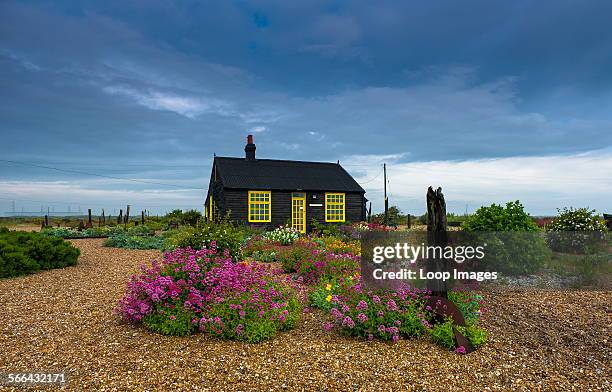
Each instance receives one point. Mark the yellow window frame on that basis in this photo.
(259, 206)
(211, 205)
(335, 207)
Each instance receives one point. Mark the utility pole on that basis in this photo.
(386, 199)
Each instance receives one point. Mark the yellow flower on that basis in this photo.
(328, 298)
(328, 287)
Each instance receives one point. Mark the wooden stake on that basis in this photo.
(127, 214)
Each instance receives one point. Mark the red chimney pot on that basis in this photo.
(250, 139)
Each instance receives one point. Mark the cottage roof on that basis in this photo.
(275, 174)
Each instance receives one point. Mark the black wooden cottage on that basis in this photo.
(271, 192)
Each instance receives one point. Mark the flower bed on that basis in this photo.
(203, 290)
(391, 314)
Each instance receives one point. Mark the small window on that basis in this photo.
(259, 206)
(334, 207)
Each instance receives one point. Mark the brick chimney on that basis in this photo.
(249, 149)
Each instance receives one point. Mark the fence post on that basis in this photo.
(120, 217)
(89, 224)
(127, 214)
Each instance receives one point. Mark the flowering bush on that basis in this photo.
(290, 257)
(577, 231)
(284, 235)
(254, 244)
(336, 245)
(580, 219)
(326, 265)
(203, 290)
(385, 315)
(224, 234)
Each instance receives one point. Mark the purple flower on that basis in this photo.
(395, 338)
(362, 305)
(461, 350)
(348, 322)
(328, 326)
(362, 318)
(382, 329)
(376, 299)
(391, 305)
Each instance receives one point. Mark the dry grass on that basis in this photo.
(61, 319)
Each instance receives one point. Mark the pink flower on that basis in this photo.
(461, 350)
(362, 318)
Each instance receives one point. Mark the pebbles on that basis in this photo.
(62, 320)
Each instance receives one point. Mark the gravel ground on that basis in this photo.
(61, 320)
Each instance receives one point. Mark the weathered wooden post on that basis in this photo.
(436, 235)
(142, 217)
(127, 214)
(408, 221)
(46, 220)
(103, 217)
(120, 217)
(89, 224)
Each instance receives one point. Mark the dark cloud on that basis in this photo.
(153, 89)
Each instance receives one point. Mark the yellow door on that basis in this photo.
(298, 212)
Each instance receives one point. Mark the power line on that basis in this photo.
(373, 178)
(97, 175)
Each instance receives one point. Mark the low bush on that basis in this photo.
(264, 255)
(579, 219)
(283, 235)
(203, 290)
(290, 257)
(391, 314)
(443, 335)
(384, 315)
(512, 217)
(127, 241)
(254, 244)
(514, 244)
(224, 234)
(93, 232)
(24, 253)
(335, 245)
(326, 265)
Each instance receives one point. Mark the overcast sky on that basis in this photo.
(493, 101)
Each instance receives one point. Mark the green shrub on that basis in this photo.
(265, 255)
(171, 321)
(123, 240)
(24, 253)
(443, 335)
(224, 234)
(468, 303)
(497, 218)
(291, 257)
(514, 244)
